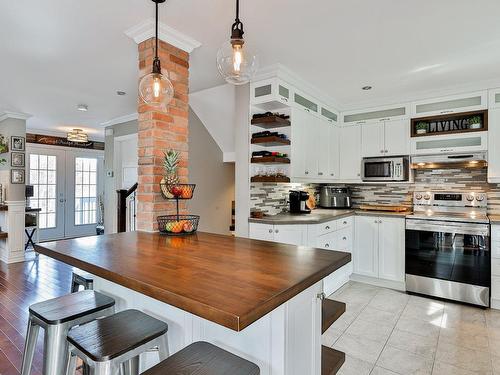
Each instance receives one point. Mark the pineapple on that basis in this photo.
(171, 163)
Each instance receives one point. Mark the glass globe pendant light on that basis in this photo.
(235, 62)
(155, 88)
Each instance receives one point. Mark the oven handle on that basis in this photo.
(446, 227)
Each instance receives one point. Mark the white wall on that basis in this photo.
(215, 107)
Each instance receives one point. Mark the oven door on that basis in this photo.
(452, 251)
(378, 170)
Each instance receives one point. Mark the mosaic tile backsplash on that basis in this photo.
(271, 198)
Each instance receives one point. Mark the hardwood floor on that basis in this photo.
(22, 284)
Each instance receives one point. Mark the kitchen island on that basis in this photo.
(254, 298)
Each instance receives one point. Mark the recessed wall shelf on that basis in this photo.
(330, 311)
(3, 235)
(270, 122)
(331, 360)
(269, 179)
(270, 160)
(272, 141)
(450, 123)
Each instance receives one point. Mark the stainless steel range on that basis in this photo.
(448, 247)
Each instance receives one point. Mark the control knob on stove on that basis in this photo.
(418, 196)
(480, 197)
(427, 197)
(470, 198)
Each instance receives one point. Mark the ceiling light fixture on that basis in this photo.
(366, 88)
(78, 136)
(155, 88)
(235, 62)
(82, 107)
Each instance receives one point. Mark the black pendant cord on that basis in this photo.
(237, 27)
(156, 61)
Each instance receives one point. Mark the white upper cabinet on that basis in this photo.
(494, 101)
(450, 143)
(474, 101)
(372, 139)
(271, 94)
(397, 137)
(350, 153)
(494, 145)
(376, 114)
(334, 153)
(385, 138)
(322, 147)
(302, 128)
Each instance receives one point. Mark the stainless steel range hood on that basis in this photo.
(440, 161)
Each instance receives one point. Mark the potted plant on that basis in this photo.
(421, 127)
(475, 122)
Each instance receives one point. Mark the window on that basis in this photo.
(85, 191)
(42, 175)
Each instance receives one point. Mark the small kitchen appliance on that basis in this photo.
(298, 201)
(385, 169)
(335, 197)
(448, 247)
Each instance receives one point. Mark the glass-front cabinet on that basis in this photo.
(468, 102)
(271, 94)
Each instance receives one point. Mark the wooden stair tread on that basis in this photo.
(331, 360)
(330, 311)
(204, 358)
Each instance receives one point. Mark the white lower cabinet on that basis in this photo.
(495, 266)
(292, 234)
(379, 247)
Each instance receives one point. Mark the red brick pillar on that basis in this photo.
(159, 130)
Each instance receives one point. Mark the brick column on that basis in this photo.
(159, 130)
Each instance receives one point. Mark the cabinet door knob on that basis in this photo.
(270, 231)
(381, 151)
(386, 151)
(276, 231)
(320, 173)
(344, 238)
(376, 221)
(359, 174)
(327, 245)
(327, 227)
(380, 221)
(331, 174)
(345, 222)
(306, 172)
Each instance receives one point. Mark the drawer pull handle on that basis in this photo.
(345, 222)
(344, 238)
(327, 245)
(270, 231)
(327, 227)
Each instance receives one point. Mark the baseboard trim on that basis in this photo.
(379, 282)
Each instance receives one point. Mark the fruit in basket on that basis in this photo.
(169, 226)
(186, 192)
(170, 163)
(176, 191)
(188, 227)
(177, 227)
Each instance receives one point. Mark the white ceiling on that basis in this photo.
(56, 54)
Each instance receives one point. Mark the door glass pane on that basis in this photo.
(42, 175)
(85, 191)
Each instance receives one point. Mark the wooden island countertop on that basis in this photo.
(228, 280)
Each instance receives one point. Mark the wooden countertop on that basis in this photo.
(227, 280)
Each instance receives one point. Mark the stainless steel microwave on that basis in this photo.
(385, 169)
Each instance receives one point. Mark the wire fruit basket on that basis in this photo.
(177, 225)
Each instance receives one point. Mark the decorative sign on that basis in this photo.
(60, 141)
(452, 123)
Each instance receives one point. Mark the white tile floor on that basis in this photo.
(386, 332)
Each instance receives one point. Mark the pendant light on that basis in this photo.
(155, 88)
(235, 62)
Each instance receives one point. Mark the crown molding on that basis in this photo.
(284, 73)
(121, 119)
(16, 115)
(146, 30)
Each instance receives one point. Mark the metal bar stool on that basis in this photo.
(81, 278)
(204, 358)
(56, 317)
(107, 344)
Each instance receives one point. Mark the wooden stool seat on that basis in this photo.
(70, 307)
(108, 338)
(202, 358)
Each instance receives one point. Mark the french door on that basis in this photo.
(67, 185)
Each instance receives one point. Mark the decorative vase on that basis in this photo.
(421, 131)
(475, 126)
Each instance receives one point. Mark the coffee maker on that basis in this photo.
(298, 201)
